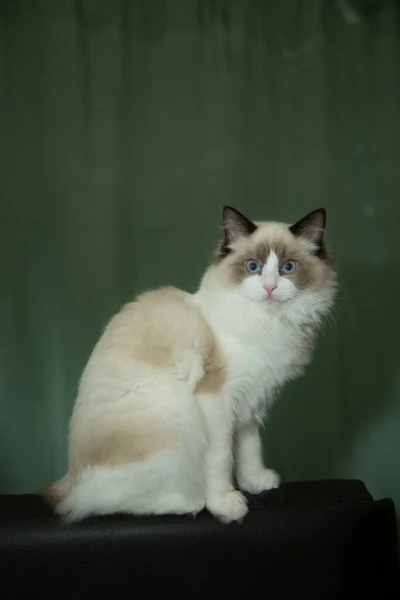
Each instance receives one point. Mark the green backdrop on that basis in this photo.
(125, 126)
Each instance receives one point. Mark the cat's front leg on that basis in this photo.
(251, 475)
(222, 500)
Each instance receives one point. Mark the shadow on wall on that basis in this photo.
(343, 417)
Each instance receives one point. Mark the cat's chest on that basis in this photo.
(257, 367)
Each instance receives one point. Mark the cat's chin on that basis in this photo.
(270, 301)
(280, 301)
(275, 302)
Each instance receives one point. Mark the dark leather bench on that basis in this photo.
(316, 540)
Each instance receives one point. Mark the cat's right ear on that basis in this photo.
(236, 226)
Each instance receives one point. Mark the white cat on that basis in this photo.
(173, 396)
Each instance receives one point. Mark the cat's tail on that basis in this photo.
(56, 492)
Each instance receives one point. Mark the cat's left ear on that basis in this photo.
(311, 227)
(236, 225)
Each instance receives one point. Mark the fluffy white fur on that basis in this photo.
(144, 437)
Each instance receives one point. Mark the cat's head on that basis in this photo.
(286, 268)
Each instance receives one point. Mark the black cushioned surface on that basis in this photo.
(317, 540)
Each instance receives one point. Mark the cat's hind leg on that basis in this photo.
(151, 488)
(169, 480)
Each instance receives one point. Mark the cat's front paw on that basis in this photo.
(267, 479)
(190, 368)
(228, 507)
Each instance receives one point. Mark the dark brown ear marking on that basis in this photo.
(236, 226)
(312, 227)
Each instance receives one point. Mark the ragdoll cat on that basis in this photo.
(172, 399)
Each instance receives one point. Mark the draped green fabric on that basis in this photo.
(125, 126)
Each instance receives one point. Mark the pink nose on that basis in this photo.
(269, 288)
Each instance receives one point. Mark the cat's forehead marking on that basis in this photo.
(280, 248)
(272, 264)
(277, 240)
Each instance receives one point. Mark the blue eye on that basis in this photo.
(288, 267)
(253, 266)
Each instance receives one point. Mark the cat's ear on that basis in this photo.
(312, 227)
(236, 226)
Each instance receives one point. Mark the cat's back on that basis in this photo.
(152, 331)
(151, 313)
